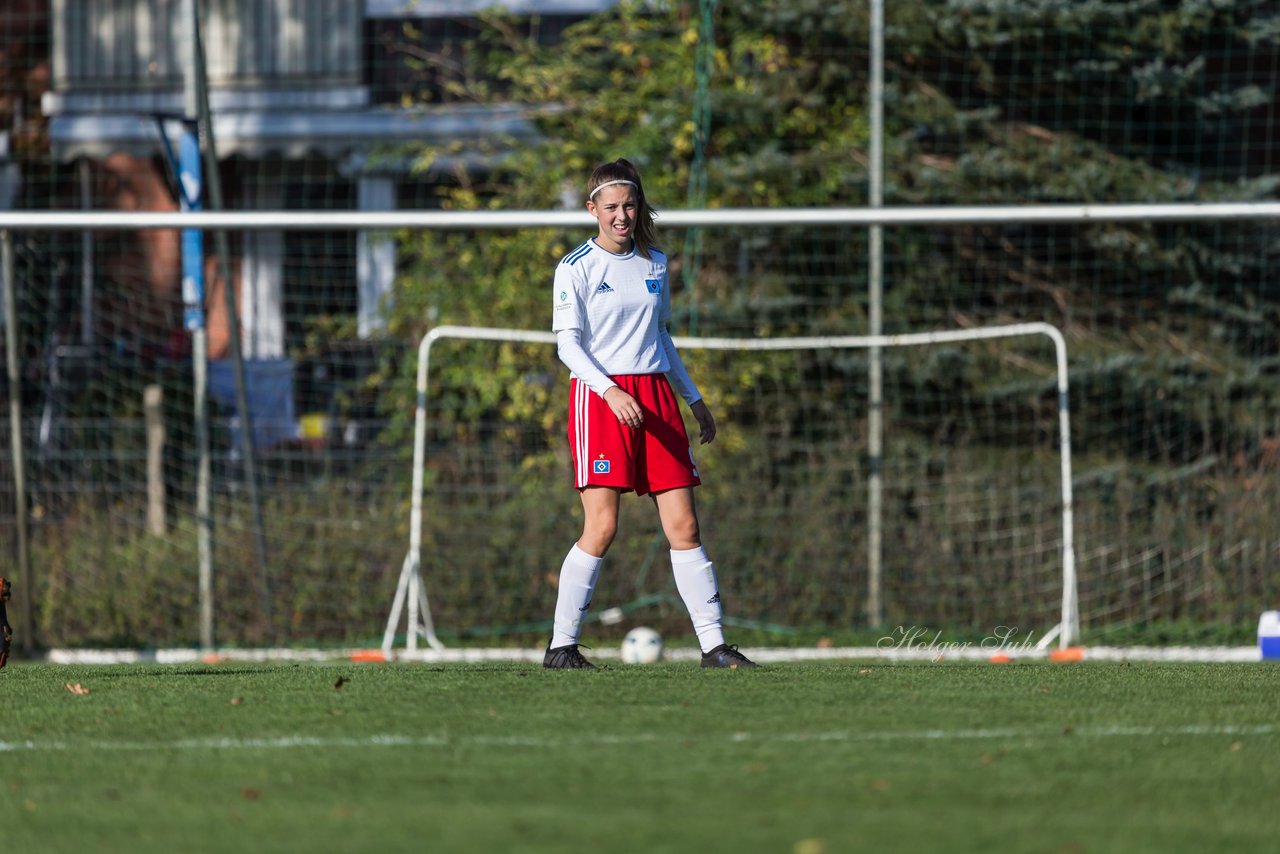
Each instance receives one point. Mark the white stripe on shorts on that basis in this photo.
(581, 404)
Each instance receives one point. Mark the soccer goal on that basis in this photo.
(412, 603)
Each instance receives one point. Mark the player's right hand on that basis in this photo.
(625, 408)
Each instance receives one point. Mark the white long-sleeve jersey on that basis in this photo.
(619, 307)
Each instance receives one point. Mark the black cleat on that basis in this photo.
(726, 656)
(566, 658)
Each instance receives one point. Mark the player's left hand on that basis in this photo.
(706, 422)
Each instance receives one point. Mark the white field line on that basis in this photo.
(932, 651)
(581, 739)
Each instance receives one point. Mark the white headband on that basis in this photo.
(610, 184)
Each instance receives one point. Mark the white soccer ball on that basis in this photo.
(641, 646)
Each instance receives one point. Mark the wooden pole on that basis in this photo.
(153, 406)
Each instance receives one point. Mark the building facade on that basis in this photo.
(315, 104)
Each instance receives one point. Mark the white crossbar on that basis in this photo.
(34, 220)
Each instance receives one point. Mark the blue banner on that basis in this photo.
(191, 191)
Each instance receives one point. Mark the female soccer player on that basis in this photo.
(611, 307)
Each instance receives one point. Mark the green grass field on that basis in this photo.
(791, 757)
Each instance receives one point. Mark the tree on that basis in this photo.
(1052, 101)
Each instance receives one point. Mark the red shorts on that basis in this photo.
(651, 458)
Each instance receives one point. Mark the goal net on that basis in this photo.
(787, 496)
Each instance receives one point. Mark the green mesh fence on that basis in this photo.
(332, 106)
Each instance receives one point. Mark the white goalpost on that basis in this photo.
(411, 595)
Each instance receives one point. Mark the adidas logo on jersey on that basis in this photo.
(604, 288)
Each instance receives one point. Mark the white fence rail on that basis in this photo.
(709, 218)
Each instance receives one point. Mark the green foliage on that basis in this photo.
(141, 592)
(987, 103)
(1171, 325)
(1169, 83)
(133, 598)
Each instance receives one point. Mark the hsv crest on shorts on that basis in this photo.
(601, 467)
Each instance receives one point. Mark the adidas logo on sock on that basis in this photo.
(714, 599)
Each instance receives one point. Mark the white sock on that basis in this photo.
(578, 576)
(696, 580)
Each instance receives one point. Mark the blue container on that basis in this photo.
(1269, 635)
